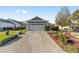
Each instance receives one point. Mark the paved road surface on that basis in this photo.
(33, 41)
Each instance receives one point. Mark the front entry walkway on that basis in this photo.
(35, 42)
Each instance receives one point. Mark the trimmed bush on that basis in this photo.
(55, 28)
(20, 28)
(47, 28)
(70, 41)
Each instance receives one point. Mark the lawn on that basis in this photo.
(12, 35)
(61, 38)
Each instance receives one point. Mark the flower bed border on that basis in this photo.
(67, 48)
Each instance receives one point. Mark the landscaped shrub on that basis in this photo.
(55, 28)
(20, 28)
(70, 41)
(63, 38)
(47, 28)
(22, 31)
(7, 32)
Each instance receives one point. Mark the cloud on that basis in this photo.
(18, 11)
(22, 11)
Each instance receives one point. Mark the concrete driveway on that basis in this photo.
(33, 42)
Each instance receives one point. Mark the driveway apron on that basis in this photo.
(33, 42)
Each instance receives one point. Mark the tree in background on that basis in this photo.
(75, 17)
(62, 17)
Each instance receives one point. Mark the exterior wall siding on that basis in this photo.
(5, 24)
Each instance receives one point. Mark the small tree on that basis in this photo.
(62, 17)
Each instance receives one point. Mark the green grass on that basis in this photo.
(12, 33)
(4, 37)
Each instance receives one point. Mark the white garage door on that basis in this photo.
(36, 27)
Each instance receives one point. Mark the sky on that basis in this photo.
(24, 13)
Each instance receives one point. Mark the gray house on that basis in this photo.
(10, 24)
(17, 24)
(36, 24)
(5, 23)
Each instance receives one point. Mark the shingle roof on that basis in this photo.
(3, 20)
(36, 19)
(13, 21)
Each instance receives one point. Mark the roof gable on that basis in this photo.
(36, 19)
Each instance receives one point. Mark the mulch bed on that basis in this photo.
(54, 36)
(56, 39)
(74, 39)
(68, 34)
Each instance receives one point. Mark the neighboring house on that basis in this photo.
(23, 23)
(10, 24)
(17, 24)
(75, 24)
(5, 24)
(36, 24)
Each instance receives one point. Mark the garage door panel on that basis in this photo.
(36, 27)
